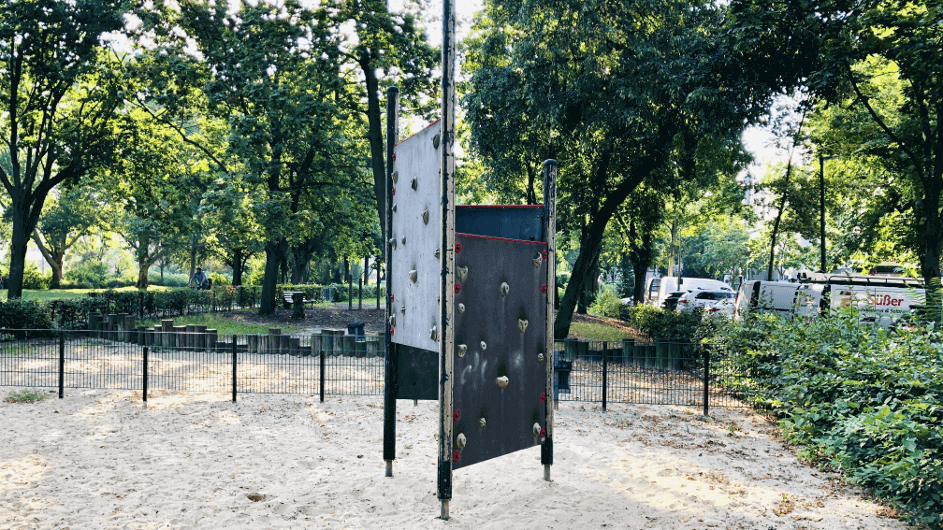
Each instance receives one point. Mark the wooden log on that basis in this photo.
(200, 338)
(167, 335)
(180, 337)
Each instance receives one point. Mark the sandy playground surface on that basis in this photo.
(101, 460)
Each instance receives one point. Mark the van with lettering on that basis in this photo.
(882, 301)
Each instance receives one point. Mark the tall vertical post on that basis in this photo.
(390, 388)
(822, 212)
(144, 377)
(446, 333)
(605, 374)
(707, 380)
(550, 222)
(61, 365)
(235, 340)
(321, 377)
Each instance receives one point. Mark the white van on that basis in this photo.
(880, 301)
(766, 296)
(669, 284)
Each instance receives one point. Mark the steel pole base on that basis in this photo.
(389, 468)
(547, 472)
(445, 511)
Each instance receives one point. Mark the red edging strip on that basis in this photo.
(499, 206)
(502, 239)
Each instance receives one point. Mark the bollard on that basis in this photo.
(144, 377)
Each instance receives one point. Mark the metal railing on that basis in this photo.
(192, 359)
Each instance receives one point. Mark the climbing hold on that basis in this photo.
(414, 184)
(462, 273)
(538, 260)
(543, 288)
(502, 381)
(392, 298)
(392, 320)
(522, 325)
(462, 349)
(540, 357)
(392, 242)
(433, 334)
(425, 217)
(483, 345)
(461, 441)
(543, 398)
(458, 248)
(544, 254)
(438, 254)
(413, 275)
(456, 455)
(482, 422)
(402, 308)
(395, 177)
(392, 331)
(505, 288)
(457, 415)
(394, 190)
(394, 207)
(543, 433)
(536, 429)
(461, 308)
(458, 287)
(403, 241)
(435, 141)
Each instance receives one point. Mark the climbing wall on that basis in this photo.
(500, 357)
(415, 237)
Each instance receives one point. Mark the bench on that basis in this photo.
(289, 300)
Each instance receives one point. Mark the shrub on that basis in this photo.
(665, 325)
(859, 398)
(87, 275)
(33, 279)
(24, 314)
(607, 304)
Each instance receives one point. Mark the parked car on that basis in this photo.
(703, 298)
(724, 306)
(671, 301)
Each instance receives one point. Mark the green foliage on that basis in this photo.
(861, 399)
(33, 279)
(87, 275)
(664, 325)
(27, 396)
(593, 331)
(607, 304)
(24, 314)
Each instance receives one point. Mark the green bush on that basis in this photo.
(665, 325)
(86, 275)
(33, 279)
(607, 304)
(171, 279)
(858, 398)
(24, 314)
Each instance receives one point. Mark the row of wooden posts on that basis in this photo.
(122, 327)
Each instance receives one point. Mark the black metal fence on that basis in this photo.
(193, 362)
(192, 359)
(642, 372)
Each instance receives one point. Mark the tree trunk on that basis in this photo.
(375, 136)
(641, 257)
(237, 267)
(932, 234)
(274, 255)
(56, 266)
(144, 265)
(23, 226)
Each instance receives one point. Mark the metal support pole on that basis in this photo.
(144, 377)
(707, 380)
(605, 373)
(391, 357)
(822, 211)
(550, 230)
(234, 364)
(360, 293)
(61, 365)
(447, 259)
(321, 376)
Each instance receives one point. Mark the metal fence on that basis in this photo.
(204, 363)
(630, 371)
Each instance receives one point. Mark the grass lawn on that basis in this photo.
(60, 294)
(225, 325)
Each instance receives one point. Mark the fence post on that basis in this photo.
(707, 380)
(61, 364)
(605, 373)
(144, 385)
(234, 341)
(321, 376)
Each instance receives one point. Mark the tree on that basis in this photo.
(60, 90)
(63, 223)
(624, 93)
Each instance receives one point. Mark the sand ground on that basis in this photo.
(103, 460)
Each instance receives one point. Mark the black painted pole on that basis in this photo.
(234, 362)
(391, 357)
(61, 365)
(144, 377)
(707, 380)
(605, 373)
(321, 376)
